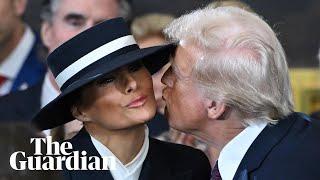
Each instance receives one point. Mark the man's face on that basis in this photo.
(74, 16)
(185, 108)
(10, 13)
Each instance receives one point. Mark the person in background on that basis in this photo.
(232, 3)
(228, 84)
(14, 137)
(105, 82)
(316, 115)
(20, 63)
(147, 30)
(61, 20)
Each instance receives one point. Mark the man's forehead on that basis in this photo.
(183, 58)
(103, 9)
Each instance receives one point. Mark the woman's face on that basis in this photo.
(119, 100)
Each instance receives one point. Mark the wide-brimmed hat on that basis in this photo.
(87, 57)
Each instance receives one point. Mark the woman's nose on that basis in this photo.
(129, 83)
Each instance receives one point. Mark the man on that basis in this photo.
(20, 64)
(62, 19)
(229, 85)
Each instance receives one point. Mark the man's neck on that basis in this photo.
(11, 44)
(124, 144)
(217, 133)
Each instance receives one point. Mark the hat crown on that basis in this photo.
(73, 57)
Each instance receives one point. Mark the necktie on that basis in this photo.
(2, 80)
(215, 173)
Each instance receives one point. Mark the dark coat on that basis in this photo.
(164, 161)
(32, 70)
(21, 105)
(288, 150)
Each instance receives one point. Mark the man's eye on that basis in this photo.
(105, 80)
(77, 22)
(135, 67)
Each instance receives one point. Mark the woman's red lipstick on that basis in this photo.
(137, 102)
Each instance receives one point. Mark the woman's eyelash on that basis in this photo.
(105, 80)
(135, 67)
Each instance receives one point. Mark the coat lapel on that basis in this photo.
(82, 142)
(156, 166)
(263, 145)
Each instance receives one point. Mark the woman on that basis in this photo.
(105, 82)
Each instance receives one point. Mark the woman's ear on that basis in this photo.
(78, 114)
(215, 109)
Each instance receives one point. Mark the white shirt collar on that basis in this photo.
(48, 92)
(233, 152)
(13, 63)
(130, 171)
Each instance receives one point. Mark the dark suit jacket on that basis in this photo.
(32, 70)
(164, 161)
(315, 115)
(21, 105)
(289, 150)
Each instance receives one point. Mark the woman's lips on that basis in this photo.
(137, 102)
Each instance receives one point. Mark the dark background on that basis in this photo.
(297, 22)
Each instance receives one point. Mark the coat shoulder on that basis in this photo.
(20, 105)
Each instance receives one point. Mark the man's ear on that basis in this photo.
(78, 114)
(19, 7)
(46, 34)
(215, 109)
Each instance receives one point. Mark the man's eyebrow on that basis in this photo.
(74, 16)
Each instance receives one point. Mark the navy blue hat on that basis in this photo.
(87, 57)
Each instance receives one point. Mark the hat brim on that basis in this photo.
(58, 112)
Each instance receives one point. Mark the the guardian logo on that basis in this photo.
(57, 157)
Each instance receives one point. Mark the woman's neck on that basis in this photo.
(125, 144)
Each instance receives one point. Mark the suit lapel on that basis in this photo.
(263, 145)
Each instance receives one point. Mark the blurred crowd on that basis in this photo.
(27, 85)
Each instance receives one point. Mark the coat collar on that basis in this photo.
(263, 145)
(156, 166)
(82, 142)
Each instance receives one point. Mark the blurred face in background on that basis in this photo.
(74, 16)
(70, 17)
(10, 13)
(149, 41)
